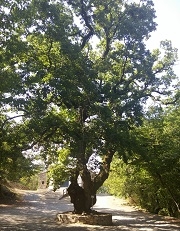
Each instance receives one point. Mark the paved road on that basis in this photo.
(38, 211)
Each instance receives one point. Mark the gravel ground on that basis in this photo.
(38, 210)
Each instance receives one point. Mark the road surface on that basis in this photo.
(37, 212)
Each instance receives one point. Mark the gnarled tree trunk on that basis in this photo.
(84, 197)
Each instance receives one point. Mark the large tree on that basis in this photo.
(80, 73)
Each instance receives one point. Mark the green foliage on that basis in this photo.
(151, 177)
(116, 180)
(62, 169)
(14, 163)
(137, 185)
(30, 182)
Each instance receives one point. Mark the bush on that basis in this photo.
(30, 182)
(140, 187)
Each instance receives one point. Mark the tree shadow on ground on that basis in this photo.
(139, 220)
(35, 214)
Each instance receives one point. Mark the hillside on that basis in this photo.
(9, 192)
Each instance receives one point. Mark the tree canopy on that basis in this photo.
(80, 74)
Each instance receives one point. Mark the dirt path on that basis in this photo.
(38, 211)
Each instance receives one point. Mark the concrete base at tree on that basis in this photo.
(96, 218)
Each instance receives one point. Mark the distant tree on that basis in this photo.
(80, 73)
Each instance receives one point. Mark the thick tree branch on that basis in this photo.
(48, 55)
(122, 75)
(104, 171)
(108, 41)
(88, 25)
(10, 118)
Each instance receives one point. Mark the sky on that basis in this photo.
(168, 18)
